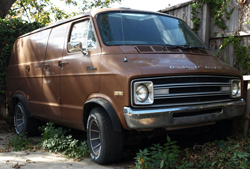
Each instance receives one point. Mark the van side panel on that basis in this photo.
(26, 70)
(15, 80)
(51, 102)
(35, 76)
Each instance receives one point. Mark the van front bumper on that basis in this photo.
(181, 116)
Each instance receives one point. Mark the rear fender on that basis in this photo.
(20, 98)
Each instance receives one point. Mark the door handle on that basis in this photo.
(62, 63)
(45, 65)
(28, 68)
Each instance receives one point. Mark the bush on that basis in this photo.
(57, 139)
(158, 156)
(231, 153)
(9, 31)
(20, 142)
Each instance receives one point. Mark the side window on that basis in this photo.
(83, 32)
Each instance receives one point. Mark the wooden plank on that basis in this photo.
(232, 24)
(248, 40)
(227, 34)
(245, 41)
(205, 24)
(185, 14)
(246, 77)
(231, 55)
(247, 109)
(189, 22)
(179, 13)
(176, 7)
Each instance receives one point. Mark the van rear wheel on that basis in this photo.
(23, 123)
(105, 144)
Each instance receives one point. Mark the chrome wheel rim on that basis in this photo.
(94, 136)
(19, 120)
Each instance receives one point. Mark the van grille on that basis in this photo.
(188, 90)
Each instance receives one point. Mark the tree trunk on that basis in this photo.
(5, 5)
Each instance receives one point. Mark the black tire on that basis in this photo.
(105, 144)
(22, 123)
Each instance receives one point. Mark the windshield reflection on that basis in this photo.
(124, 28)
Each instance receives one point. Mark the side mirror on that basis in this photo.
(75, 47)
(91, 44)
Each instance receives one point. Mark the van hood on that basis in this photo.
(178, 62)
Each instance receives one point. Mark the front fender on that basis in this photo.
(106, 106)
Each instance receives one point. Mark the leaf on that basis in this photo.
(162, 164)
(30, 161)
(168, 139)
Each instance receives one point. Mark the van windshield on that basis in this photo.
(126, 28)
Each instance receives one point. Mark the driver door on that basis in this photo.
(79, 75)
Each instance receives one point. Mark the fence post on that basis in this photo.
(247, 109)
(205, 23)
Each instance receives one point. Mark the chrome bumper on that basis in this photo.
(163, 117)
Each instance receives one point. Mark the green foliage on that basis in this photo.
(45, 11)
(196, 7)
(89, 4)
(9, 31)
(19, 142)
(57, 139)
(242, 52)
(232, 156)
(218, 8)
(158, 156)
(38, 11)
(232, 153)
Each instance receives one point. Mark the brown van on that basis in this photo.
(116, 71)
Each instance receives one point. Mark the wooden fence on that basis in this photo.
(210, 33)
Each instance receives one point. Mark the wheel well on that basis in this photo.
(87, 108)
(20, 98)
(99, 102)
(15, 100)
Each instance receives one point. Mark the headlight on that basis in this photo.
(235, 88)
(143, 92)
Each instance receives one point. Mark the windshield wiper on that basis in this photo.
(184, 47)
(196, 47)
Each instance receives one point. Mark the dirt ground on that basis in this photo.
(40, 159)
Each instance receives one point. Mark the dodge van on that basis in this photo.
(114, 71)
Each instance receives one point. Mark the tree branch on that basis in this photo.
(5, 6)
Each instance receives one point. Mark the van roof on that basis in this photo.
(56, 24)
(93, 13)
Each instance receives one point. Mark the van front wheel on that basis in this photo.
(105, 144)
